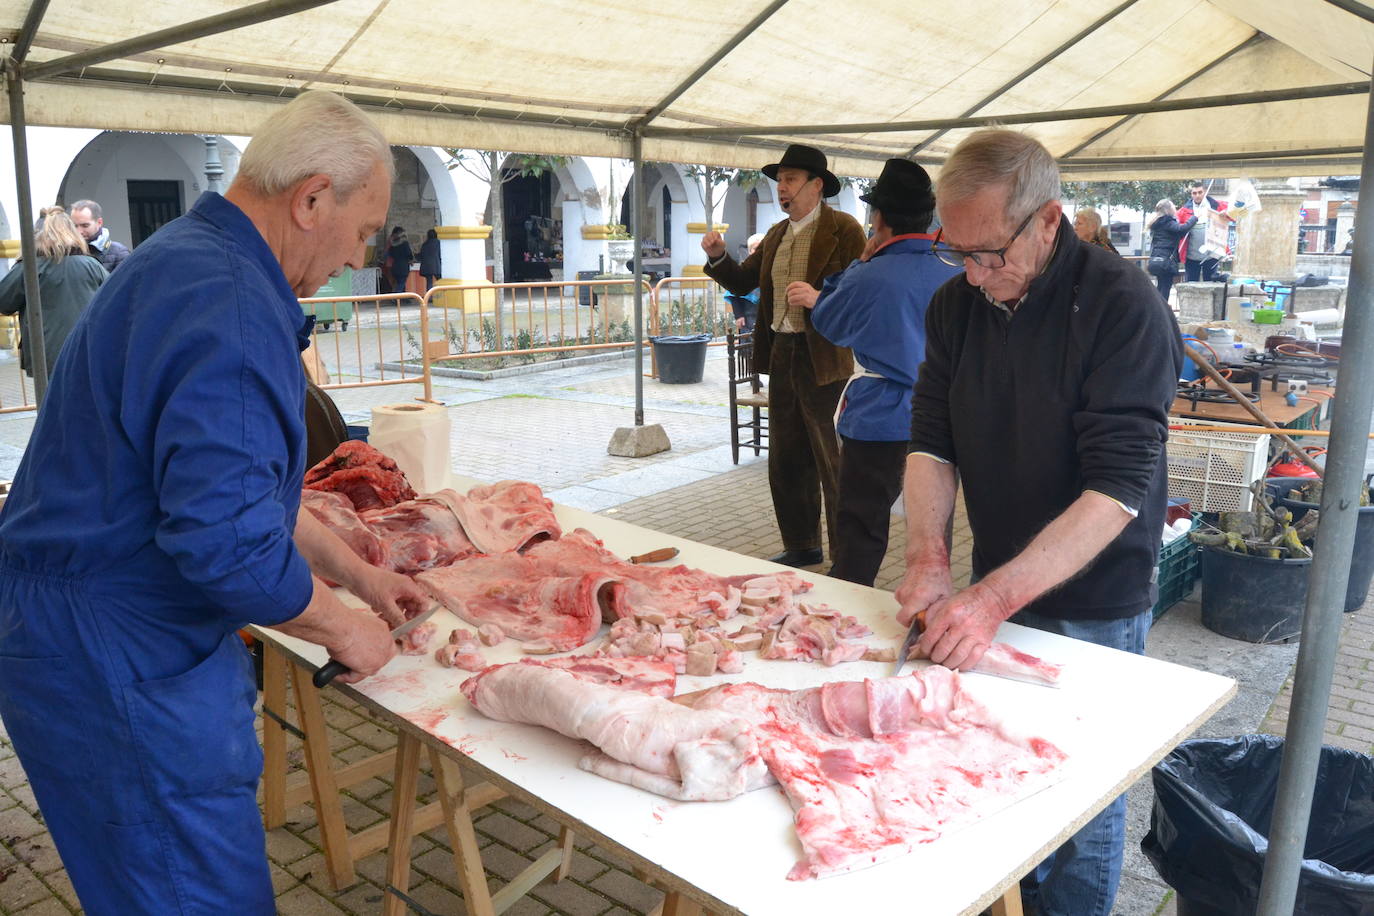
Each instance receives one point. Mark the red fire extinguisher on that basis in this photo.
(1295, 468)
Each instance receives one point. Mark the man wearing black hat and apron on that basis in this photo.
(806, 371)
(877, 307)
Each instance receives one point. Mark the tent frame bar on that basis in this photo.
(1329, 90)
(33, 299)
(24, 41)
(749, 29)
(1026, 73)
(1322, 618)
(1354, 8)
(253, 14)
(1066, 163)
(1252, 40)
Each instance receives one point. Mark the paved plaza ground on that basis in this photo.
(552, 428)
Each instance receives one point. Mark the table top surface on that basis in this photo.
(1271, 402)
(1115, 714)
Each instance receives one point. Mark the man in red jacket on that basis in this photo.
(1199, 260)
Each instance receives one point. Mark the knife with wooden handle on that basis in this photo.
(655, 556)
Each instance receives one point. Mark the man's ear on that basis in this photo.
(1051, 214)
(307, 199)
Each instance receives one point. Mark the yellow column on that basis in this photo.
(471, 260)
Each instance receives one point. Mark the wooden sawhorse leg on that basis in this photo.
(458, 801)
(1009, 904)
(321, 783)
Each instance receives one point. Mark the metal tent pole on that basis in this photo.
(636, 205)
(33, 303)
(1321, 626)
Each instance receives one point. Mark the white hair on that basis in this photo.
(1165, 206)
(318, 133)
(997, 157)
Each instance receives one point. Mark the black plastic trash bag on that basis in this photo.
(1209, 828)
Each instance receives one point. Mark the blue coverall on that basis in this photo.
(152, 517)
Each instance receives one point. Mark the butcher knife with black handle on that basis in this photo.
(333, 668)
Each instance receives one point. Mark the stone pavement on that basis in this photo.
(552, 428)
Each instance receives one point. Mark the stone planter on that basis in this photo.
(619, 254)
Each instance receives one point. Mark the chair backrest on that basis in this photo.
(740, 348)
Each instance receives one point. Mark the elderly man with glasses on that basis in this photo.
(1050, 367)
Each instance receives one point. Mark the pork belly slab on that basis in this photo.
(515, 594)
(646, 741)
(420, 533)
(874, 768)
(507, 515)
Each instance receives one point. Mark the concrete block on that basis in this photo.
(639, 441)
(1201, 301)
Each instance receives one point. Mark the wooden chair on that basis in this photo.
(745, 392)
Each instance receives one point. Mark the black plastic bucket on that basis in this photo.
(680, 360)
(1253, 598)
(1361, 561)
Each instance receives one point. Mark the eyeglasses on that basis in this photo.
(988, 258)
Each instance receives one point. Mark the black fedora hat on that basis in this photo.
(903, 187)
(809, 159)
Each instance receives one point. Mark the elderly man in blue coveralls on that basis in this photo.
(155, 513)
(877, 307)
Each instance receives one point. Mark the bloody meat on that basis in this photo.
(368, 478)
(508, 515)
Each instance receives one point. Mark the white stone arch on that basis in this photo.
(689, 206)
(581, 206)
(101, 169)
(459, 259)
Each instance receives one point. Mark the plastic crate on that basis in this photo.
(1178, 570)
(1214, 471)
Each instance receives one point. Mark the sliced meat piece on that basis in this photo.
(652, 676)
(508, 515)
(416, 641)
(1006, 661)
(420, 533)
(336, 513)
(940, 760)
(460, 656)
(526, 604)
(490, 634)
(688, 754)
(368, 478)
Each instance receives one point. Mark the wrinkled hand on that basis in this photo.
(870, 248)
(395, 598)
(364, 645)
(960, 628)
(921, 587)
(739, 324)
(713, 243)
(799, 292)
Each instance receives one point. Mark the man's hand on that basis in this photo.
(363, 643)
(921, 587)
(739, 324)
(396, 598)
(960, 628)
(799, 292)
(713, 243)
(871, 247)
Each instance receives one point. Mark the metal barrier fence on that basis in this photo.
(386, 331)
(689, 305)
(522, 321)
(16, 388)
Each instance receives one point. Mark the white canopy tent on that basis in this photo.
(1134, 88)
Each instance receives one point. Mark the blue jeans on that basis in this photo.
(1080, 878)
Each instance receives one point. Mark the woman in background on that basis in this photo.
(430, 265)
(1087, 225)
(398, 257)
(67, 280)
(1165, 233)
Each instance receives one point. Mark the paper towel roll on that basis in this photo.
(1321, 316)
(416, 436)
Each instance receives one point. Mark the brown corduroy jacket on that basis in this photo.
(839, 240)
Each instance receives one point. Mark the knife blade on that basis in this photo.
(918, 626)
(333, 668)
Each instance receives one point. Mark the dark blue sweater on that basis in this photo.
(1069, 393)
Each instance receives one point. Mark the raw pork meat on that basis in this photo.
(652, 676)
(509, 515)
(874, 768)
(673, 591)
(336, 513)
(420, 533)
(368, 478)
(526, 603)
(416, 641)
(1003, 660)
(646, 741)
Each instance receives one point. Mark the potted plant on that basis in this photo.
(620, 248)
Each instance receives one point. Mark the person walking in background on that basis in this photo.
(87, 216)
(805, 371)
(877, 307)
(431, 267)
(1200, 260)
(1087, 225)
(398, 257)
(1165, 234)
(67, 280)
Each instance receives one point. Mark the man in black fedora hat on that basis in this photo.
(806, 371)
(877, 307)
